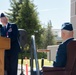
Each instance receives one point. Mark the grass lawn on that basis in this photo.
(46, 62)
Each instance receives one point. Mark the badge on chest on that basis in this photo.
(10, 30)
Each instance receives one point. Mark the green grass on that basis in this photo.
(46, 62)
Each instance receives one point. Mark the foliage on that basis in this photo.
(24, 14)
(50, 40)
(27, 54)
(13, 11)
(47, 36)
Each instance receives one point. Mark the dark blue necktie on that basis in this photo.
(4, 28)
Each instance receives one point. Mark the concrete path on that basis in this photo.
(24, 70)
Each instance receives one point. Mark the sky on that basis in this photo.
(58, 11)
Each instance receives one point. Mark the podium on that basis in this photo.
(4, 44)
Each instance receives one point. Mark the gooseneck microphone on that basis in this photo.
(0, 29)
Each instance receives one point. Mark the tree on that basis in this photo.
(24, 14)
(14, 10)
(49, 40)
(43, 38)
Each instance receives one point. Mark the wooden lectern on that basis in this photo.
(4, 44)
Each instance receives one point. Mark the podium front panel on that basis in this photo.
(4, 43)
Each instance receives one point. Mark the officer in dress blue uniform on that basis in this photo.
(10, 30)
(67, 36)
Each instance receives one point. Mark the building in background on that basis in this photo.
(73, 15)
(57, 34)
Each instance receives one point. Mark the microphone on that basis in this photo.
(0, 26)
(0, 29)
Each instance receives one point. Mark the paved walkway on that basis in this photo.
(24, 70)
